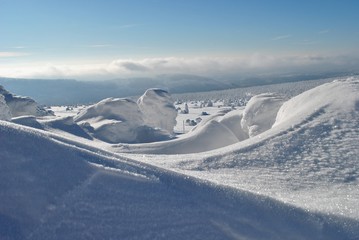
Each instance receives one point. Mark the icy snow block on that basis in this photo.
(158, 109)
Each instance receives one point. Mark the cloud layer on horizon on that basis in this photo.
(215, 67)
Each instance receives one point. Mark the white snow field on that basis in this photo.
(296, 177)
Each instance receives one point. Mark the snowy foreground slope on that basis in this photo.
(297, 179)
(309, 157)
(51, 190)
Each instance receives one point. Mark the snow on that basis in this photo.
(309, 158)
(121, 120)
(260, 113)
(112, 119)
(4, 109)
(295, 177)
(73, 198)
(20, 106)
(158, 110)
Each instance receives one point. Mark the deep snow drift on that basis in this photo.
(158, 110)
(296, 180)
(20, 106)
(308, 158)
(121, 120)
(260, 113)
(51, 190)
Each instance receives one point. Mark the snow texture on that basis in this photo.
(158, 110)
(52, 190)
(120, 120)
(113, 119)
(4, 109)
(296, 180)
(21, 106)
(260, 113)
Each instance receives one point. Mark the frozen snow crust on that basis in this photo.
(120, 120)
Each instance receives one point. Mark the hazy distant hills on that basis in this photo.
(56, 92)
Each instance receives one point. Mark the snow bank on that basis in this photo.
(158, 109)
(67, 125)
(118, 120)
(337, 96)
(21, 106)
(113, 119)
(309, 157)
(260, 113)
(4, 109)
(51, 190)
(232, 121)
(29, 121)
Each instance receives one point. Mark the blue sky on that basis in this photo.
(94, 38)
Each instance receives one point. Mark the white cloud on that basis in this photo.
(240, 66)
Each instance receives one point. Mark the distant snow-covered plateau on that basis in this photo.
(273, 162)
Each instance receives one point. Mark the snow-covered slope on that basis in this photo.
(51, 190)
(309, 158)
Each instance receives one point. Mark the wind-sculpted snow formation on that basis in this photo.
(4, 109)
(158, 110)
(21, 106)
(296, 180)
(309, 157)
(263, 115)
(260, 113)
(120, 120)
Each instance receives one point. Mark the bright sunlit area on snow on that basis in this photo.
(179, 120)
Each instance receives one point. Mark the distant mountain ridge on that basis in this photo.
(67, 91)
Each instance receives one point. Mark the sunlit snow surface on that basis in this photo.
(309, 158)
(55, 185)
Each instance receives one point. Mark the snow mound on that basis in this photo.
(211, 136)
(118, 120)
(232, 120)
(308, 158)
(66, 124)
(260, 113)
(4, 110)
(21, 106)
(336, 97)
(29, 121)
(158, 109)
(113, 119)
(35, 173)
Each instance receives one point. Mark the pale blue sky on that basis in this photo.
(62, 33)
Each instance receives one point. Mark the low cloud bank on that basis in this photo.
(218, 67)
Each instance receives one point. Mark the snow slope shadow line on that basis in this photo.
(225, 196)
(230, 210)
(236, 210)
(232, 204)
(263, 141)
